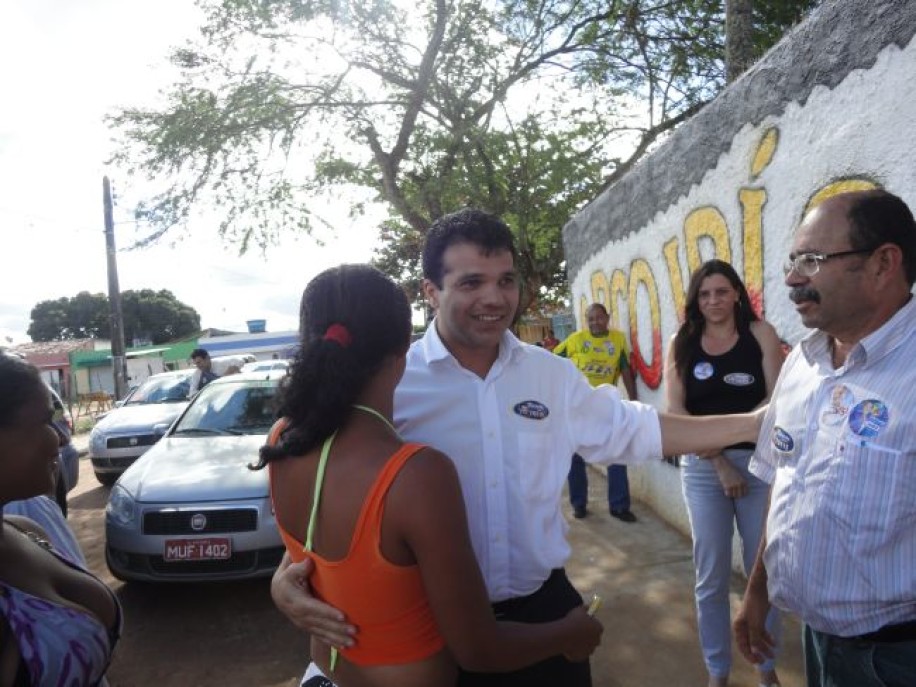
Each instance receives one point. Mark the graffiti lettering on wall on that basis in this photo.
(702, 224)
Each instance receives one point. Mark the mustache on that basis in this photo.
(799, 294)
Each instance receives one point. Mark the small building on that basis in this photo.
(93, 371)
(52, 358)
(263, 345)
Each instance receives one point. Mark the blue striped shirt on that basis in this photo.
(839, 448)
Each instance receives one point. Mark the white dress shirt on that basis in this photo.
(839, 448)
(511, 437)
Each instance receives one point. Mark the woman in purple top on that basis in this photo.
(58, 623)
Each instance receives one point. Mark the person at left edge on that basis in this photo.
(58, 623)
(601, 354)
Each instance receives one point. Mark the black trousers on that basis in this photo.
(552, 601)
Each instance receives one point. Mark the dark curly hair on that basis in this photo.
(472, 226)
(19, 383)
(687, 339)
(328, 374)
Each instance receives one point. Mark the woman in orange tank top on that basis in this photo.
(384, 521)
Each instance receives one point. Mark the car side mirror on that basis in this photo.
(160, 429)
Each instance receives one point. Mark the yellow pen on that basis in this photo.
(594, 605)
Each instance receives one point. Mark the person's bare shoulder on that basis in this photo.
(27, 525)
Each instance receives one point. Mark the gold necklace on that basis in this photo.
(32, 536)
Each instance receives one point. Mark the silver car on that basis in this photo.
(68, 456)
(190, 509)
(128, 431)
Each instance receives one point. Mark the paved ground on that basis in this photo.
(230, 635)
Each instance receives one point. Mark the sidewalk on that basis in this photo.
(81, 443)
(645, 573)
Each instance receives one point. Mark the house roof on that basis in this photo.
(50, 348)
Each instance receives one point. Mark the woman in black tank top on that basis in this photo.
(724, 359)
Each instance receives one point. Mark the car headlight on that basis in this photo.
(96, 441)
(121, 508)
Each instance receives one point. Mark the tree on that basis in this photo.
(154, 316)
(739, 37)
(753, 26)
(431, 107)
(81, 317)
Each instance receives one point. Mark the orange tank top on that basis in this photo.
(386, 602)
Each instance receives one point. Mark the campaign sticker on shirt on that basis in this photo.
(609, 348)
(703, 370)
(782, 440)
(533, 410)
(868, 418)
(841, 400)
(586, 345)
(739, 379)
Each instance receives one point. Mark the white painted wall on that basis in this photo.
(864, 128)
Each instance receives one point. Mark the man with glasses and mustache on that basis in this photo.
(838, 446)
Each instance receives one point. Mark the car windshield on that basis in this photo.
(168, 389)
(230, 408)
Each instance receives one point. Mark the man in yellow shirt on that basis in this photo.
(602, 355)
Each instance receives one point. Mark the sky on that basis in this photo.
(65, 65)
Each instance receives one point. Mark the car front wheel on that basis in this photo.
(106, 478)
(60, 494)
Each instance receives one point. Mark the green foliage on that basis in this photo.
(83, 316)
(154, 315)
(527, 108)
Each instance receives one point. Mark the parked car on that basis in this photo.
(230, 364)
(68, 456)
(126, 432)
(190, 509)
(267, 365)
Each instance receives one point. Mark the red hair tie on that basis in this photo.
(338, 333)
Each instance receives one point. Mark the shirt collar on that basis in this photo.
(433, 348)
(816, 346)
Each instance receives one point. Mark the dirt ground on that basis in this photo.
(230, 634)
(200, 635)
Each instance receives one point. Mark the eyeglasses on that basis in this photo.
(808, 264)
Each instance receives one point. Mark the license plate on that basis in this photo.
(211, 549)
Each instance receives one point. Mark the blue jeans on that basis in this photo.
(712, 522)
(836, 662)
(618, 486)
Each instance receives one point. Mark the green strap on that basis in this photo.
(316, 497)
(373, 411)
(322, 465)
(313, 516)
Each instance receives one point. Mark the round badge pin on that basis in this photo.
(782, 440)
(703, 370)
(868, 418)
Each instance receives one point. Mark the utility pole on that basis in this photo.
(118, 360)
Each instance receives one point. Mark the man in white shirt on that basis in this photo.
(509, 415)
(204, 373)
(838, 445)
